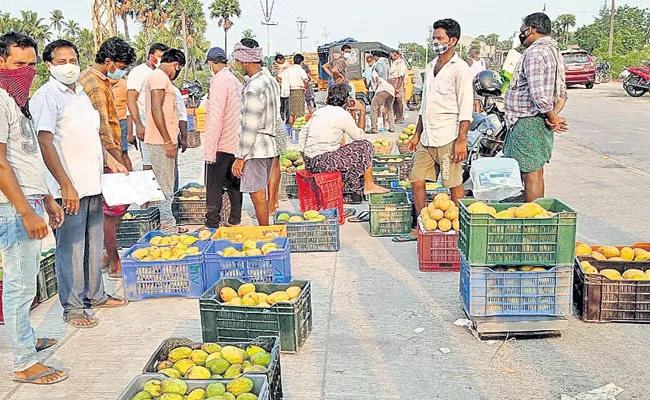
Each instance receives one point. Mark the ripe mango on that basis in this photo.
(478, 208)
(278, 297)
(233, 371)
(227, 294)
(261, 297)
(598, 256)
(633, 274)
(196, 394)
(218, 365)
(199, 357)
(609, 251)
(627, 254)
(437, 214)
(179, 353)
(293, 292)
(184, 365)
(444, 225)
(171, 373)
(239, 386)
(210, 348)
(451, 214)
(232, 354)
(425, 213)
(456, 224)
(153, 387)
(198, 372)
(643, 257)
(177, 386)
(430, 225)
(235, 301)
(245, 289)
(583, 250)
(505, 214)
(611, 274)
(249, 245)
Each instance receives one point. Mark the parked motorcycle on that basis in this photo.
(415, 102)
(603, 75)
(637, 82)
(192, 92)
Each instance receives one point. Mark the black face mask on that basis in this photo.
(178, 72)
(523, 36)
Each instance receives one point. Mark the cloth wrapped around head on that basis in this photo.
(247, 55)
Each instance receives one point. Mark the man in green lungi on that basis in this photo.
(536, 96)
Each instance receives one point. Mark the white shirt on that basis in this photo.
(135, 81)
(478, 66)
(293, 78)
(398, 69)
(447, 99)
(326, 129)
(379, 84)
(180, 105)
(73, 120)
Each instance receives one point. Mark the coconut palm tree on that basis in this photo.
(86, 45)
(57, 21)
(72, 29)
(124, 9)
(151, 13)
(34, 26)
(224, 10)
(187, 18)
(8, 23)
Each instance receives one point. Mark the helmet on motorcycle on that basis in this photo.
(488, 83)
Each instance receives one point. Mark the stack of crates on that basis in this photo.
(199, 120)
(517, 267)
(390, 214)
(321, 192)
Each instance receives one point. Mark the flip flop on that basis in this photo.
(67, 318)
(349, 212)
(45, 344)
(363, 216)
(50, 371)
(115, 277)
(405, 238)
(105, 304)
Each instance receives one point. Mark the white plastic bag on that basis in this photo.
(496, 178)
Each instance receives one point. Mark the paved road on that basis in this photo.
(379, 323)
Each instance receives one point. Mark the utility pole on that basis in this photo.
(611, 29)
(326, 34)
(544, 10)
(426, 52)
(302, 25)
(267, 11)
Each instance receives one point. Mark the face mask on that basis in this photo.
(17, 83)
(65, 73)
(210, 65)
(178, 72)
(117, 74)
(523, 36)
(156, 62)
(440, 48)
(347, 56)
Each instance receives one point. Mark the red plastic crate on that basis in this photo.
(2, 318)
(320, 192)
(438, 251)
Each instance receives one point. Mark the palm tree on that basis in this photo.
(57, 20)
(248, 34)
(8, 23)
(224, 10)
(32, 25)
(86, 45)
(72, 29)
(187, 18)
(151, 13)
(124, 9)
(566, 21)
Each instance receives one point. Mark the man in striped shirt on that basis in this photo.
(223, 123)
(262, 136)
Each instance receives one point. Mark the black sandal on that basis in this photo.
(46, 343)
(363, 216)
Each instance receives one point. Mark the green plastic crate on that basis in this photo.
(385, 180)
(292, 322)
(390, 214)
(487, 241)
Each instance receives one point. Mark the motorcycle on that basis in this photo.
(415, 102)
(637, 82)
(192, 92)
(602, 72)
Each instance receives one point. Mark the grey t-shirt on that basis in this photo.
(23, 151)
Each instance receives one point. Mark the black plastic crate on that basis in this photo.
(292, 322)
(271, 344)
(47, 284)
(132, 229)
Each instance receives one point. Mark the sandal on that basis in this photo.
(45, 343)
(115, 277)
(349, 212)
(364, 216)
(120, 303)
(50, 371)
(182, 230)
(407, 237)
(71, 316)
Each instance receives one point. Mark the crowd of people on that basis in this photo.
(55, 147)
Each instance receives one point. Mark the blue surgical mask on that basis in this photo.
(118, 74)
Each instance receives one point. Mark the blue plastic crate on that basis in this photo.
(274, 267)
(173, 278)
(307, 237)
(487, 292)
(430, 193)
(150, 235)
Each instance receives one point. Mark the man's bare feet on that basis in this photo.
(40, 374)
(80, 319)
(375, 189)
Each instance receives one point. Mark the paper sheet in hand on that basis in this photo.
(138, 187)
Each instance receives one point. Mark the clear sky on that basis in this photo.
(364, 20)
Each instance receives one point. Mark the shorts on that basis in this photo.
(257, 173)
(431, 162)
(125, 135)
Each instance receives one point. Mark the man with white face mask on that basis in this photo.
(440, 141)
(68, 135)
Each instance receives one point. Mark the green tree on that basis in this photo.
(8, 23)
(34, 26)
(187, 19)
(415, 53)
(562, 28)
(85, 43)
(57, 21)
(151, 13)
(225, 10)
(124, 10)
(248, 34)
(72, 29)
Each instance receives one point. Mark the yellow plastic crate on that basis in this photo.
(239, 234)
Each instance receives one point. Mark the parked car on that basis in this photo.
(580, 68)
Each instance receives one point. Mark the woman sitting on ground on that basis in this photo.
(323, 148)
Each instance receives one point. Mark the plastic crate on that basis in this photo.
(292, 322)
(352, 197)
(239, 234)
(430, 193)
(274, 267)
(385, 180)
(307, 237)
(321, 192)
(46, 280)
(288, 186)
(271, 344)
(150, 235)
(607, 264)
(403, 161)
(2, 318)
(131, 230)
(486, 240)
(154, 279)
(600, 299)
(486, 292)
(438, 251)
(260, 385)
(390, 214)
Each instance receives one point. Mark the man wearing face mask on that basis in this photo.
(536, 96)
(161, 133)
(440, 140)
(68, 134)
(221, 138)
(136, 96)
(262, 136)
(24, 199)
(111, 61)
(337, 68)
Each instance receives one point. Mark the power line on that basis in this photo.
(302, 25)
(267, 11)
